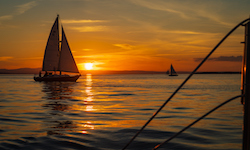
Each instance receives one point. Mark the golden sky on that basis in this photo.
(126, 34)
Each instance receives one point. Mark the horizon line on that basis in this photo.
(36, 71)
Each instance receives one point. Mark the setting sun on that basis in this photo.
(88, 66)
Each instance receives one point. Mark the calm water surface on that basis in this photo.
(103, 112)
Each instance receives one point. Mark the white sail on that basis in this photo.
(51, 54)
(66, 62)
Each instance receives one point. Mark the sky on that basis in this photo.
(146, 35)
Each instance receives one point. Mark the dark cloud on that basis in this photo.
(222, 58)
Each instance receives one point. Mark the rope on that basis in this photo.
(156, 147)
(152, 117)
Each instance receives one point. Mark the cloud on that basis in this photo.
(6, 17)
(90, 28)
(82, 21)
(188, 10)
(20, 10)
(5, 58)
(24, 7)
(87, 49)
(161, 6)
(222, 58)
(124, 46)
(31, 58)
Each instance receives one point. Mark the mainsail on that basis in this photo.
(66, 61)
(51, 55)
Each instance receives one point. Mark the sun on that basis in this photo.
(88, 66)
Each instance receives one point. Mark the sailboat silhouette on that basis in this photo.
(171, 71)
(58, 57)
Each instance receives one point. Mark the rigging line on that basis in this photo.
(152, 117)
(159, 145)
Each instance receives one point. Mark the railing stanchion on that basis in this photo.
(246, 89)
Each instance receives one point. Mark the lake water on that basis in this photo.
(103, 112)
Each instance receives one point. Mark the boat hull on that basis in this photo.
(58, 78)
(173, 75)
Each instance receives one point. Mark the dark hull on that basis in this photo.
(173, 75)
(57, 78)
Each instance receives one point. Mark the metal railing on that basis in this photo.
(246, 97)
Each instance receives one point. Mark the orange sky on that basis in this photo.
(125, 35)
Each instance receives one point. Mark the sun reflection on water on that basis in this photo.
(89, 108)
(88, 103)
(87, 125)
(89, 99)
(88, 80)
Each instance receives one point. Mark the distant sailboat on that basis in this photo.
(171, 72)
(58, 57)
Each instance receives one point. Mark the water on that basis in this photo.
(103, 112)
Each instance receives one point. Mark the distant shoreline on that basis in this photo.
(227, 72)
(99, 72)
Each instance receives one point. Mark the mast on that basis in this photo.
(59, 48)
(246, 89)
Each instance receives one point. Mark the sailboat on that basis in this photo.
(171, 72)
(58, 58)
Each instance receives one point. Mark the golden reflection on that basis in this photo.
(89, 108)
(84, 132)
(88, 80)
(58, 103)
(87, 126)
(88, 104)
(89, 99)
(88, 91)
